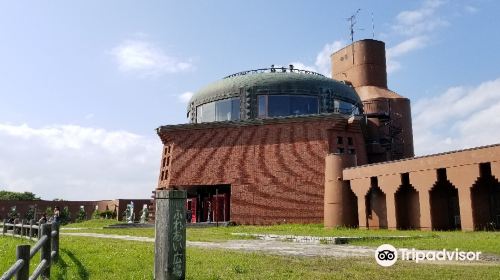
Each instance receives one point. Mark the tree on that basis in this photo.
(8, 195)
(65, 216)
(13, 213)
(49, 212)
(30, 214)
(81, 216)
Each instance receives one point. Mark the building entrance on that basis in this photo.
(208, 204)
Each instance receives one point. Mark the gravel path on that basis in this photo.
(273, 247)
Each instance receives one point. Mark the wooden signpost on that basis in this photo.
(170, 239)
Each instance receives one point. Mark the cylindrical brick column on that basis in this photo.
(336, 189)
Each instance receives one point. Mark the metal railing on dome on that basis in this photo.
(273, 69)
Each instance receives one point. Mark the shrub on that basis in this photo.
(30, 214)
(96, 214)
(107, 214)
(81, 216)
(124, 216)
(13, 213)
(49, 212)
(65, 216)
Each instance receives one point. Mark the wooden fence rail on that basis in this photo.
(23, 229)
(47, 244)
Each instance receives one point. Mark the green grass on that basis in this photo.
(89, 258)
(8, 252)
(487, 242)
(94, 223)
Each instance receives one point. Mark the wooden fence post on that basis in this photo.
(46, 249)
(170, 241)
(22, 228)
(4, 229)
(40, 230)
(14, 227)
(31, 228)
(55, 240)
(23, 253)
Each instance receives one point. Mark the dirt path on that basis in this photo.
(286, 248)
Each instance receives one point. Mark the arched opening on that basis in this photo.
(407, 205)
(485, 196)
(376, 209)
(350, 207)
(445, 210)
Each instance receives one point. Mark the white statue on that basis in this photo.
(144, 215)
(209, 218)
(130, 213)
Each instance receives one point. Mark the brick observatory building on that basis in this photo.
(281, 145)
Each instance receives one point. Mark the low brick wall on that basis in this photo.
(118, 205)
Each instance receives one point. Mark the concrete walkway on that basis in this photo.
(273, 247)
(266, 246)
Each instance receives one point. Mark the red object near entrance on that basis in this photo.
(191, 210)
(208, 204)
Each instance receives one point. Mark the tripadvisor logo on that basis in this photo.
(386, 255)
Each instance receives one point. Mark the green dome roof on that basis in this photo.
(274, 83)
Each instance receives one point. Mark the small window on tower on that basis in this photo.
(340, 140)
(340, 150)
(349, 141)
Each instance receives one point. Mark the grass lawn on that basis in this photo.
(487, 242)
(89, 258)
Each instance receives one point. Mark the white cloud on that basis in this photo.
(421, 20)
(74, 162)
(323, 63)
(185, 97)
(403, 48)
(416, 26)
(459, 118)
(147, 60)
(471, 9)
(407, 46)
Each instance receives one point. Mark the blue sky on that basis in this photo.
(84, 84)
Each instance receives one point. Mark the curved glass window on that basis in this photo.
(345, 107)
(287, 105)
(220, 110)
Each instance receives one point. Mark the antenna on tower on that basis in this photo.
(373, 27)
(352, 21)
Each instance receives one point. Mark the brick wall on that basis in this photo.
(276, 170)
(120, 205)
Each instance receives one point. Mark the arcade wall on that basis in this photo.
(454, 190)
